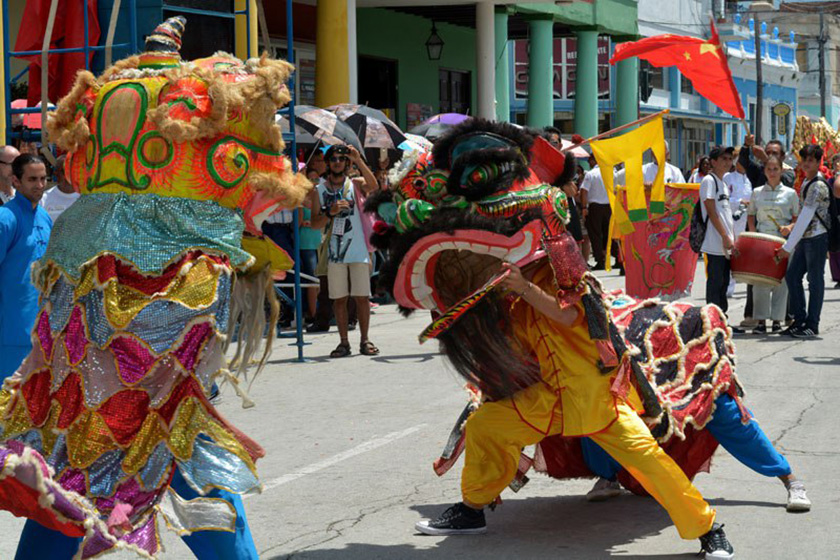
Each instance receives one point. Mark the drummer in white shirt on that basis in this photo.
(740, 191)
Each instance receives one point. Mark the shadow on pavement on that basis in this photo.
(397, 358)
(533, 528)
(818, 361)
(749, 503)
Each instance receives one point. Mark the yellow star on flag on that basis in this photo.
(709, 47)
(686, 55)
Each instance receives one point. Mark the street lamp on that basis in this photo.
(434, 44)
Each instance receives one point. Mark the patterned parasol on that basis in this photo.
(372, 126)
(322, 125)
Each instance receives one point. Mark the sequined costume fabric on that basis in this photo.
(174, 161)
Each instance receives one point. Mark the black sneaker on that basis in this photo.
(715, 544)
(457, 520)
(760, 328)
(789, 330)
(803, 332)
(777, 327)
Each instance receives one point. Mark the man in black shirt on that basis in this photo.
(752, 157)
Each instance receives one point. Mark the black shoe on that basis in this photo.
(760, 328)
(788, 331)
(351, 326)
(599, 266)
(777, 327)
(715, 544)
(457, 520)
(803, 332)
(316, 328)
(737, 330)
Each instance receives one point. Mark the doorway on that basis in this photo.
(455, 91)
(378, 84)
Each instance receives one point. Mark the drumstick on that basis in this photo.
(772, 219)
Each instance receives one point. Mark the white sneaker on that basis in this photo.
(797, 498)
(604, 490)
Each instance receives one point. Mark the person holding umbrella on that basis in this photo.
(348, 268)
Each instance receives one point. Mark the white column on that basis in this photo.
(485, 48)
(352, 54)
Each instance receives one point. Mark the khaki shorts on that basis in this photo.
(348, 279)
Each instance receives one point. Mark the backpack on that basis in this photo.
(697, 231)
(833, 225)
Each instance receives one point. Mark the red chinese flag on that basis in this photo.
(702, 62)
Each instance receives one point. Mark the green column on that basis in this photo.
(541, 73)
(627, 91)
(502, 66)
(586, 84)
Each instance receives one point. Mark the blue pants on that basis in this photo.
(38, 543)
(746, 442)
(808, 258)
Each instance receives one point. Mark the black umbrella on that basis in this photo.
(315, 124)
(372, 126)
(432, 131)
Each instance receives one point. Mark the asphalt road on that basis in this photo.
(351, 442)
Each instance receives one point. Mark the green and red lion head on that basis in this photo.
(482, 197)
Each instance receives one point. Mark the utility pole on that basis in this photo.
(759, 80)
(821, 41)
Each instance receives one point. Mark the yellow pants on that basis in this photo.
(495, 436)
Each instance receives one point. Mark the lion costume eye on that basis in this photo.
(419, 184)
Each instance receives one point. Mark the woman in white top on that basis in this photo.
(704, 165)
(772, 207)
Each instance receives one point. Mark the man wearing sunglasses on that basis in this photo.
(7, 156)
(345, 247)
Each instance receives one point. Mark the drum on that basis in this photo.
(756, 260)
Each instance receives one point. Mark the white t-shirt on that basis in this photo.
(347, 237)
(672, 173)
(713, 188)
(56, 202)
(594, 185)
(740, 192)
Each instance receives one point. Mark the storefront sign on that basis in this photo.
(565, 71)
(781, 111)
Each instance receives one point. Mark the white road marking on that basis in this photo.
(343, 456)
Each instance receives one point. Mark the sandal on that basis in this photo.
(341, 351)
(368, 348)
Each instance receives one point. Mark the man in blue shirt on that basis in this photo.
(24, 232)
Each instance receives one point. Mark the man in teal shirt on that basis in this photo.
(24, 232)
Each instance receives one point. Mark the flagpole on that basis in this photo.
(725, 57)
(617, 129)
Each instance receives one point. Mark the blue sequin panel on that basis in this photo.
(212, 465)
(149, 231)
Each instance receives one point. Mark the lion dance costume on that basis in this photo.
(481, 198)
(109, 413)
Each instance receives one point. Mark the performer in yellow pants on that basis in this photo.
(495, 436)
(573, 398)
